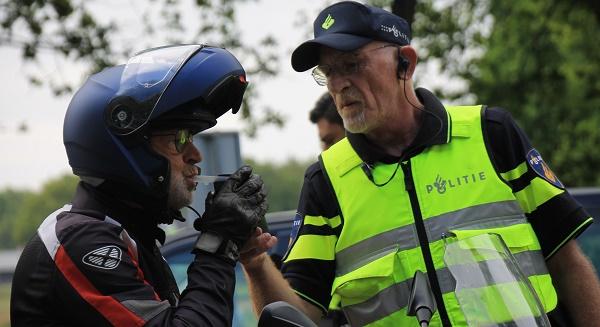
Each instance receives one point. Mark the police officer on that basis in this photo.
(411, 171)
(128, 135)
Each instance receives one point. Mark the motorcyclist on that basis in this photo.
(128, 136)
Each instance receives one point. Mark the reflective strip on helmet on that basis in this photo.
(395, 297)
(400, 239)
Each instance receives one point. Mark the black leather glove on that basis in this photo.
(232, 214)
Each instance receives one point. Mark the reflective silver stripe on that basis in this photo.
(130, 243)
(395, 297)
(379, 306)
(111, 221)
(146, 309)
(47, 231)
(373, 248)
(400, 239)
(523, 322)
(531, 263)
(476, 217)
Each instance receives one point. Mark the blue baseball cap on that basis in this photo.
(347, 26)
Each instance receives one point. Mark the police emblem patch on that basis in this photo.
(106, 257)
(296, 227)
(541, 168)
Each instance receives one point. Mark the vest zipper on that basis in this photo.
(424, 242)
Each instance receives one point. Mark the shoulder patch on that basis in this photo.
(106, 257)
(539, 166)
(298, 219)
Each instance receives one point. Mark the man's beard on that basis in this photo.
(356, 122)
(180, 195)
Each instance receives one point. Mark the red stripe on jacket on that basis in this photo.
(111, 309)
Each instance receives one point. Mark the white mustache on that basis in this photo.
(348, 97)
(191, 170)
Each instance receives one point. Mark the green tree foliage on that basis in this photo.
(21, 212)
(35, 207)
(10, 202)
(95, 35)
(283, 182)
(546, 72)
(538, 59)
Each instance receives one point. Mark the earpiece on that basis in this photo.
(403, 65)
(367, 168)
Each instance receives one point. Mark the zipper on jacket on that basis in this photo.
(424, 242)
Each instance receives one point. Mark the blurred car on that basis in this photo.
(589, 241)
(177, 250)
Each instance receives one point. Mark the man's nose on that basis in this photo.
(191, 154)
(337, 82)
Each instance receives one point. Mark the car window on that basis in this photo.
(179, 260)
(177, 253)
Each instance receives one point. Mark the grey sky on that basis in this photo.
(29, 159)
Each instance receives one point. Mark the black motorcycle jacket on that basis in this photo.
(96, 263)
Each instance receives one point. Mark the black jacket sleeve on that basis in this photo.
(86, 272)
(208, 298)
(311, 278)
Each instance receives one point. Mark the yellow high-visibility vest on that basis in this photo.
(451, 187)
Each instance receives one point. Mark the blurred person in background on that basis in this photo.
(128, 135)
(329, 123)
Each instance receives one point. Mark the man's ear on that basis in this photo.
(407, 59)
(403, 65)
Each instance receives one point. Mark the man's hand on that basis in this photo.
(258, 244)
(232, 214)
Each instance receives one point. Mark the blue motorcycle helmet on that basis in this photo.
(109, 119)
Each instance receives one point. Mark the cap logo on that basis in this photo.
(328, 22)
(395, 31)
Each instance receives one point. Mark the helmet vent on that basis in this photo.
(121, 117)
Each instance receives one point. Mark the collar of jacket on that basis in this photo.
(433, 131)
(137, 220)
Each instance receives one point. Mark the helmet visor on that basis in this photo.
(143, 81)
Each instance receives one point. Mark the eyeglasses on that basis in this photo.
(322, 73)
(183, 137)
